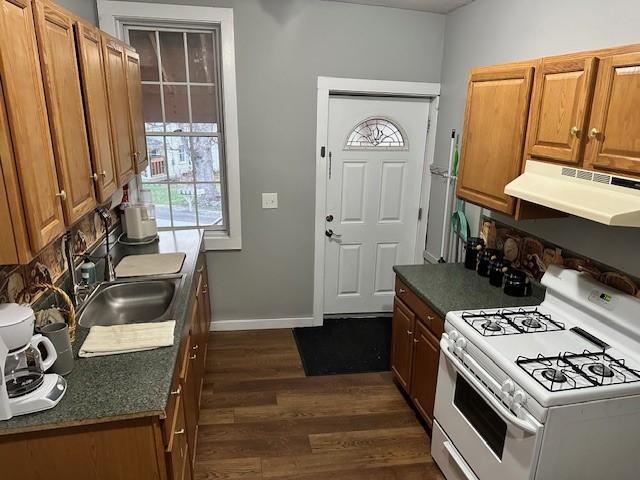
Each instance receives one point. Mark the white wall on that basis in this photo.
(496, 31)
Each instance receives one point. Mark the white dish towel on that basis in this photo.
(133, 337)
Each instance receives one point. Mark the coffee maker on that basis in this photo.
(25, 387)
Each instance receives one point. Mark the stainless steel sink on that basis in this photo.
(149, 299)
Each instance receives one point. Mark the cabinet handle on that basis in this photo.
(179, 432)
(94, 177)
(195, 347)
(177, 391)
(594, 132)
(574, 131)
(62, 195)
(409, 332)
(415, 340)
(401, 291)
(103, 173)
(193, 357)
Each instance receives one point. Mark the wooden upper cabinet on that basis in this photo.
(115, 70)
(96, 104)
(66, 110)
(29, 124)
(494, 134)
(614, 129)
(134, 89)
(560, 107)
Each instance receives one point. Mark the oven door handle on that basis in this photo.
(498, 406)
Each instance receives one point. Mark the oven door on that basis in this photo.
(481, 437)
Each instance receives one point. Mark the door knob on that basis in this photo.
(330, 233)
(329, 218)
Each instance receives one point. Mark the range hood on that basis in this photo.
(603, 198)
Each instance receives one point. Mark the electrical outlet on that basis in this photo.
(269, 200)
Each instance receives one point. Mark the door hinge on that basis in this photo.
(420, 213)
(429, 125)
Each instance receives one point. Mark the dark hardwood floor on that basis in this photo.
(263, 419)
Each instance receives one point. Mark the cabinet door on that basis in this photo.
(66, 111)
(134, 89)
(96, 105)
(191, 384)
(560, 104)
(177, 450)
(29, 124)
(115, 68)
(495, 124)
(426, 353)
(615, 121)
(402, 343)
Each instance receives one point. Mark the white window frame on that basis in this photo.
(114, 14)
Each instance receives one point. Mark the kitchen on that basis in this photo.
(245, 404)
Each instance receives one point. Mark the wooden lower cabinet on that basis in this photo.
(402, 343)
(426, 352)
(415, 349)
(147, 448)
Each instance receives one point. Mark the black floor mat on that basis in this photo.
(345, 345)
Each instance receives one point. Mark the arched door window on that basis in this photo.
(376, 133)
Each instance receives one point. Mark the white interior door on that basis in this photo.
(376, 156)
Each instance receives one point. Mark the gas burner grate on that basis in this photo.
(571, 371)
(511, 322)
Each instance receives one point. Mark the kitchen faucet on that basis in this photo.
(80, 291)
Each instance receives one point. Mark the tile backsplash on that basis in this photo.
(533, 255)
(50, 265)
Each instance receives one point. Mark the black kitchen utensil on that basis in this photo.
(473, 246)
(484, 259)
(497, 268)
(517, 284)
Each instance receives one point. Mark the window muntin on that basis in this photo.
(182, 103)
(376, 133)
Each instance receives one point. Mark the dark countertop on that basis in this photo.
(446, 287)
(115, 387)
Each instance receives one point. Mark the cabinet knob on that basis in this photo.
(177, 391)
(594, 132)
(430, 318)
(409, 332)
(103, 173)
(401, 291)
(195, 347)
(193, 357)
(62, 195)
(574, 131)
(94, 177)
(179, 432)
(415, 340)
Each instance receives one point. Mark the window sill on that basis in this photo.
(214, 241)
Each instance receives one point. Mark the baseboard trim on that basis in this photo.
(260, 324)
(429, 257)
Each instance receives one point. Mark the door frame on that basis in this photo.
(335, 85)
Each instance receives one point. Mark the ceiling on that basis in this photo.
(435, 6)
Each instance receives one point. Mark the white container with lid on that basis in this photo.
(16, 324)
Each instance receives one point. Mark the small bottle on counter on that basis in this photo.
(88, 271)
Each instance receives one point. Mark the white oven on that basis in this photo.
(475, 434)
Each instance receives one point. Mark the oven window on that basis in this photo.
(481, 416)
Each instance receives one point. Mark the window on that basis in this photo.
(187, 59)
(376, 133)
(181, 99)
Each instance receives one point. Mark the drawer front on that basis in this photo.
(423, 312)
(177, 451)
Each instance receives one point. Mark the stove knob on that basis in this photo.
(461, 343)
(454, 335)
(508, 387)
(519, 397)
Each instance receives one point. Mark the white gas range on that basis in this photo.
(542, 392)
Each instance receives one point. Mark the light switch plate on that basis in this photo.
(269, 200)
